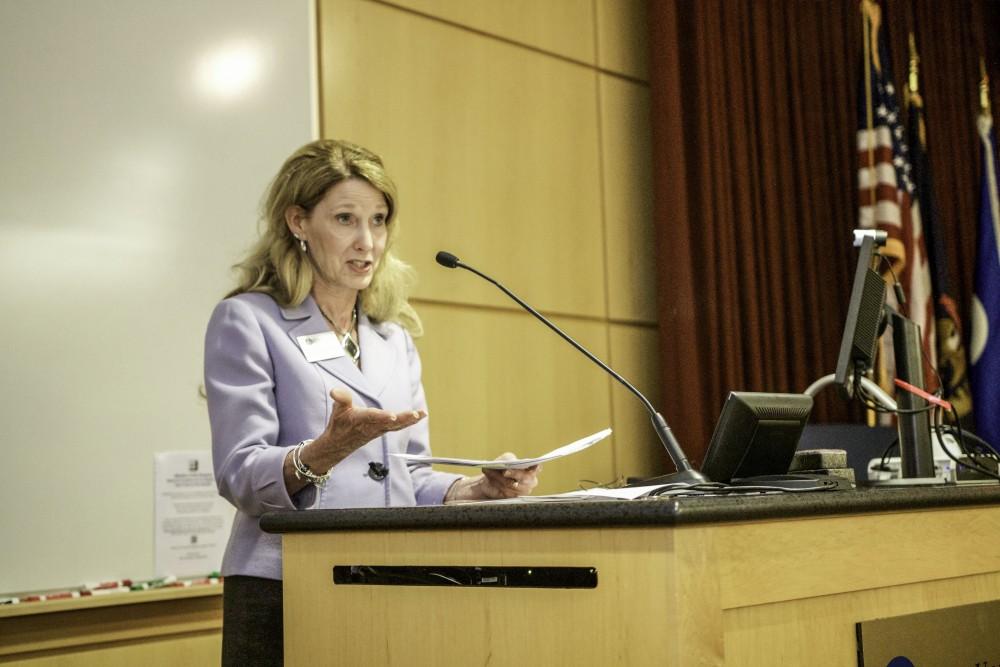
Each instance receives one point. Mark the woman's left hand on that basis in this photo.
(495, 484)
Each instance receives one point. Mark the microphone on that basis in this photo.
(686, 474)
(446, 259)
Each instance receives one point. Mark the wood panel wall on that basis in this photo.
(518, 133)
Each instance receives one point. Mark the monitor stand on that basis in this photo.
(915, 451)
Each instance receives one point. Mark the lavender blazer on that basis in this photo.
(264, 396)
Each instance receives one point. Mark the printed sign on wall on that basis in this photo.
(192, 520)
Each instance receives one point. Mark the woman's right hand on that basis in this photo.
(348, 430)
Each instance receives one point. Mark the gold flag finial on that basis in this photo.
(914, 81)
(871, 14)
(984, 88)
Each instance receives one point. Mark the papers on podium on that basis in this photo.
(505, 464)
(598, 493)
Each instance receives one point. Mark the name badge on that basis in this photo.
(321, 346)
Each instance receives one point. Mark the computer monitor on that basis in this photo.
(867, 316)
(865, 319)
(757, 434)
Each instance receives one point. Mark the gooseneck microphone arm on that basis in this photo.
(685, 472)
(549, 324)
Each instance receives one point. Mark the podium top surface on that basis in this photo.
(652, 511)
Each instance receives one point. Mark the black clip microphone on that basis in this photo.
(377, 470)
(685, 474)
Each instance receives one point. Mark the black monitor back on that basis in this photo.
(864, 323)
(757, 434)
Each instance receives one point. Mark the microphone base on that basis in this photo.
(686, 477)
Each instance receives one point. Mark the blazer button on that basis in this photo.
(377, 471)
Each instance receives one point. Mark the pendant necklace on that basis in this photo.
(345, 337)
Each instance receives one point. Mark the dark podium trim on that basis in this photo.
(652, 511)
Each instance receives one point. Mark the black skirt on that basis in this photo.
(252, 627)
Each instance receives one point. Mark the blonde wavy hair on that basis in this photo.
(275, 265)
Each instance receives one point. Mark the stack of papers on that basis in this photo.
(598, 493)
(624, 493)
(506, 464)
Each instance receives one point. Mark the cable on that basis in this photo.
(719, 489)
(961, 442)
(986, 449)
(888, 264)
(939, 392)
(971, 462)
(883, 466)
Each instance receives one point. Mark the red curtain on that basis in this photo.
(755, 115)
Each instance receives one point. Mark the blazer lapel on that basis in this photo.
(311, 321)
(378, 357)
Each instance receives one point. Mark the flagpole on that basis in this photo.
(990, 165)
(984, 88)
(913, 87)
(866, 32)
(866, 28)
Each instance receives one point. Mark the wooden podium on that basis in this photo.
(761, 580)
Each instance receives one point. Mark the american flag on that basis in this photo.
(888, 196)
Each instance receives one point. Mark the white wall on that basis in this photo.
(128, 186)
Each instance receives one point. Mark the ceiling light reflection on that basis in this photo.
(229, 71)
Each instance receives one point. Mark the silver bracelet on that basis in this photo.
(302, 471)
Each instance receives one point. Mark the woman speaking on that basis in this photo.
(313, 379)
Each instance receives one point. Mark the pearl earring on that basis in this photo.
(302, 243)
